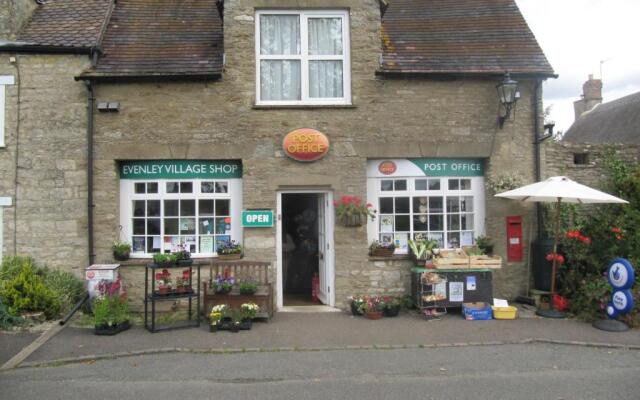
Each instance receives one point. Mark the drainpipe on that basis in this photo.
(90, 106)
(536, 146)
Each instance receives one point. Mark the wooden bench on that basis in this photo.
(257, 271)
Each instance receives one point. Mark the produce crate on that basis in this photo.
(480, 311)
(491, 262)
(451, 259)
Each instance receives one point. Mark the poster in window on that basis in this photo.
(386, 239)
(138, 245)
(206, 244)
(222, 240)
(401, 241)
(386, 223)
(187, 225)
(466, 238)
(190, 243)
(456, 291)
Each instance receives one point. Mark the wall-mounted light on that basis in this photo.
(508, 94)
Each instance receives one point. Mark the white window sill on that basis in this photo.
(301, 106)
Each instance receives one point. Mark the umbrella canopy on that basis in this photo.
(559, 188)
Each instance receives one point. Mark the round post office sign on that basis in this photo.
(621, 274)
(305, 144)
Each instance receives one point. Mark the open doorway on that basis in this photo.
(300, 247)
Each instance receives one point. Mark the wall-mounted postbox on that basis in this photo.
(514, 238)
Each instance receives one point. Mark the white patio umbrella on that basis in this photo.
(558, 189)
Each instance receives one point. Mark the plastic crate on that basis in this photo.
(479, 311)
(508, 312)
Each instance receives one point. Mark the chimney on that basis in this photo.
(591, 96)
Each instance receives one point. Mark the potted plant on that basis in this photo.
(230, 251)
(422, 249)
(248, 287)
(352, 212)
(163, 282)
(219, 318)
(372, 307)
(164, 260)
(121, 250)
(391, 306)
(485, 244)
(183, 257)
(183, 284)
(356, 302)
(110, 308)
(377, 249)
(222, 284)
(248, 312)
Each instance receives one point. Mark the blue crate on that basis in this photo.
(476, 311)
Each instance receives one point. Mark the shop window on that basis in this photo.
(442, 209)
(170, 215)
(302, 57)
(4, 80)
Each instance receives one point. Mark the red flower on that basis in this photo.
(335, 203)
(345, 200)
(585, 239)
(559, 259)
(158, 276)
(615, 229)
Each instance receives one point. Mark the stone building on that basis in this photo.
(159, 122)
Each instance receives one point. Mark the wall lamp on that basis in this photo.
(508, 93)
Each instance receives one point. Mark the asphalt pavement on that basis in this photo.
(522, 371)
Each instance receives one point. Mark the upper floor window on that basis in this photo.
(4, 80)
(302, 57)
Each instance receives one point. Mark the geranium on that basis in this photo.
(619, 234)
(558, 257)
(349, 206)
(371, 304)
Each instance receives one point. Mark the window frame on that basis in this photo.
(304, 57)
(375, 192)
(4, 81)
(128, 196)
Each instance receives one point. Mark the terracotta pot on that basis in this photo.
(374, 315)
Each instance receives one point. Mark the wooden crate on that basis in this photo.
(491, 262)
(451, 259)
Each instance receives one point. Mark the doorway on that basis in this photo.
(305, 250)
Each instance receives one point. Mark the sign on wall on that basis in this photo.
(435, 167)
(257, 219)
(180, 169)
(305, 144)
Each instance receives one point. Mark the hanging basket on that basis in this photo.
(351, 220)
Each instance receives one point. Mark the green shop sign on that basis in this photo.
(450, 166)
(181, 169)
(257, 219)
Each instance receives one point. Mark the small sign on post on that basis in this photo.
(257, 219)
(621, 277)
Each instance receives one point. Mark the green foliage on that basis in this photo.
(110, 310)
(68, 288)
(7, 320)
(247, 287)
(485, 244)
(23, 288)
(160, 258)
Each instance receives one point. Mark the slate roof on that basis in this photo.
(66, 23)
(617, 121)
(459, 37)
(161, 38)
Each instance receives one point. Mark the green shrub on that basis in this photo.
(7, 320)
(110, 310)
(24, 290)
(68, 288)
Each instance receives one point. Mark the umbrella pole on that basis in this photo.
(552, 312)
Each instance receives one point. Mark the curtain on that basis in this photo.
(325, 79)
(280, 80)
(325, 36)
(279, 34)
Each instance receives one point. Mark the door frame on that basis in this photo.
(329, 252)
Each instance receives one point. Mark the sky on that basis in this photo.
(576, 35)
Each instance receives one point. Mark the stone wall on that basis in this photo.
(50, 142)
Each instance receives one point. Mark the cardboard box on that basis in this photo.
(479, 311)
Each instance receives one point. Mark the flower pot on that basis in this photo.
(164, 264)
(108, 330)
(213, 327)
(351, 220)
(121, 256)
(163, 291)
(247, 292)
(354, 309)
(223, 291)
(373, 315)
(245, 324)
(382, 252)
(391, 311)
(227, 257)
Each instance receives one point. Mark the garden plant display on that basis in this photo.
(110, 308)
(163, 282)
(351, 211)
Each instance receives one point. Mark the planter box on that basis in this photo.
(452, 259)
(227, 257)
(382, 253)
(480, 311)
(491, 262)
(106, 330)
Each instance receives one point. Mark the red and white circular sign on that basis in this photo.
(387, 167)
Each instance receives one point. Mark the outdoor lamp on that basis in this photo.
(508, 94)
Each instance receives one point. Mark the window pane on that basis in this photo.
(420, 223)
(186, 187)
(153, 244)
(402, 205)
(222, 187)
(453, 240)
(434, 184)
(401, 240)
(454, 184)
(466, 203)
(400, 185)
(153, 208)
(138, 208)
(279, 34)
(465, 184)
(325, 36)
(207, 187)
(138, 226)
(206, 226)
(439, 237)
(187, 225)
(325, 79)
(421, 184)
(190, 243)
(386, 205)
(171, 208)
(221, 226)
(436, 222)
(453, 204)
(187, 208)
(152, 187)
(453, 222)
(280, 80)
(420, 205)
(222, 208)
(386, 185)
(172, 187)
(171, 226)
(153, 226)
(139, 188)
(435, 205)
(402, 223)
(206, 207)
(138, 244)
(466, 221)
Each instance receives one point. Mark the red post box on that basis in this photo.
(514, 238)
